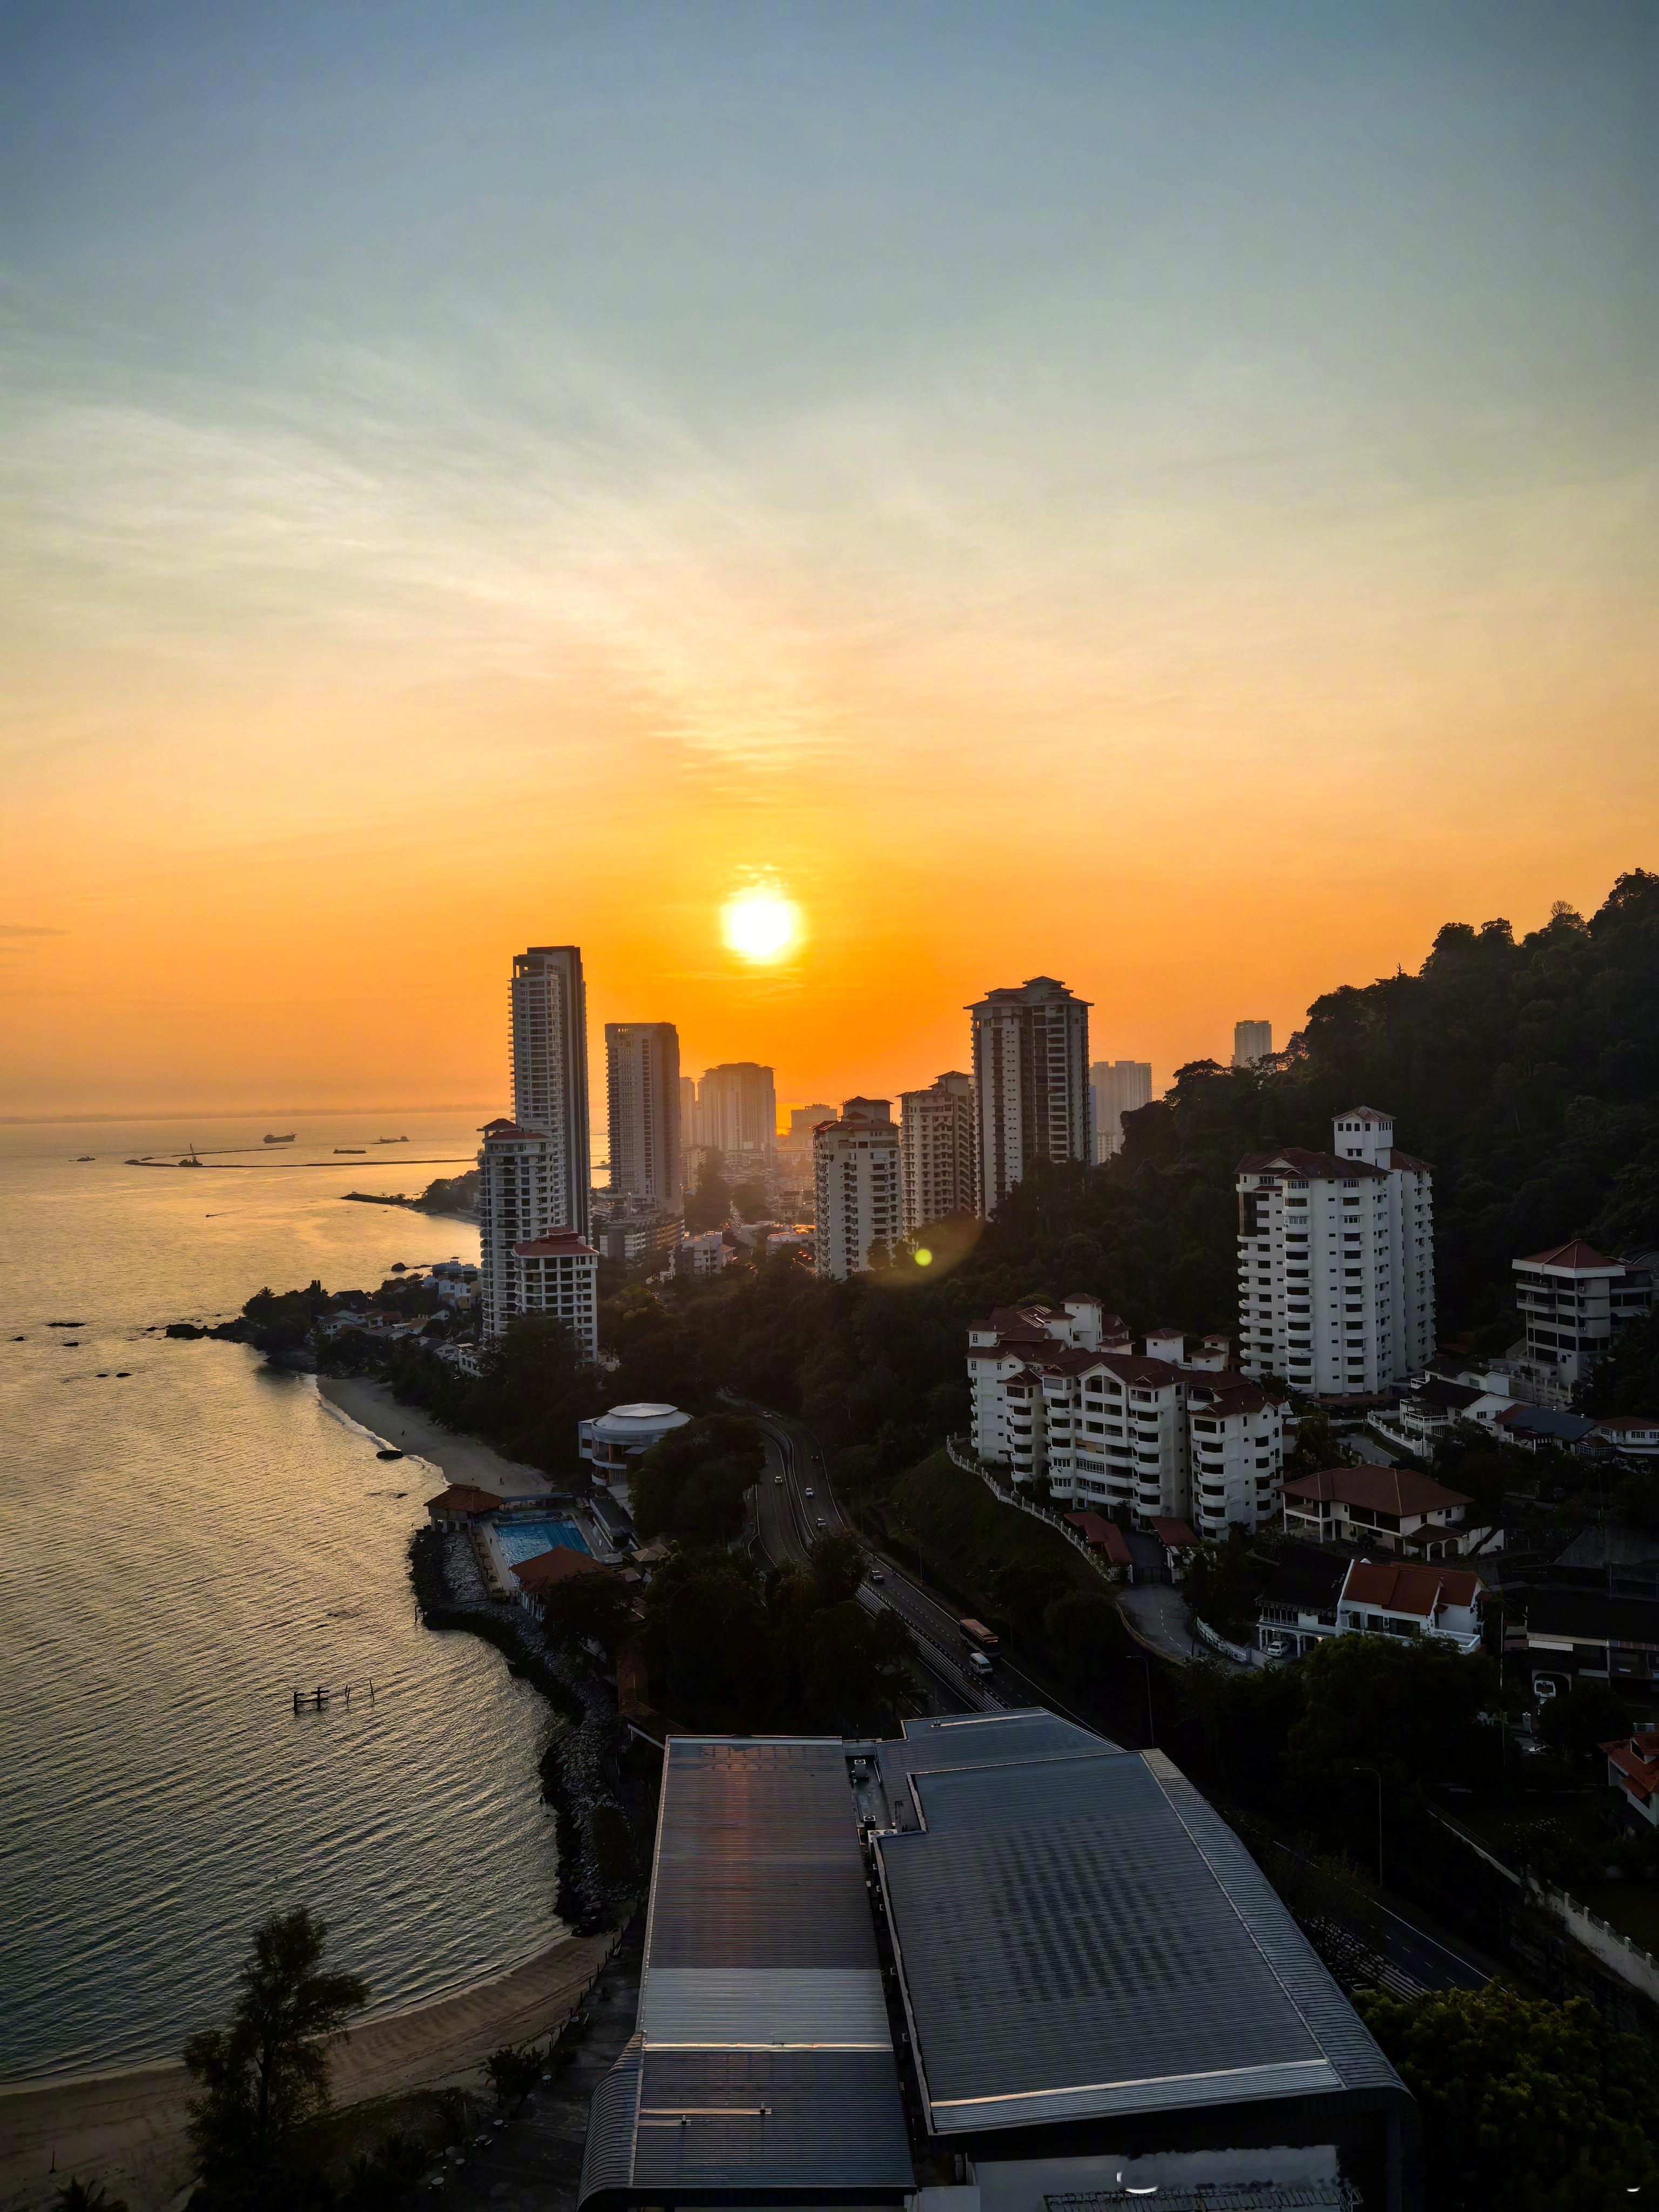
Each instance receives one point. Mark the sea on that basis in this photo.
(186, 1536)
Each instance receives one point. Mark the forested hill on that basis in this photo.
(1527, 1072)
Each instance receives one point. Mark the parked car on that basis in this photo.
(1549, 1686)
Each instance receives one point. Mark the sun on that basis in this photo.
(760, 924)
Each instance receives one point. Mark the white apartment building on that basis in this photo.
(1118, 1087)
(855, 1174)
(1061, 1392)
(706, 1253)
(936, 1150)
(559, 1274)
(738, 1113)
(550, 1071)
(642, 1093)
(1252, 1040)
(803, 1119)
(1336, 1261)
(1571, 1299)
(1030, 1083)
(520, 1191)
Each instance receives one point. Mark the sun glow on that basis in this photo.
(760, 924)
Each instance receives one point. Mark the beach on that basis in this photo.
(127, 2130)
(459, 1459)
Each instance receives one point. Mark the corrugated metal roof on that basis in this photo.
(1122, 1957)
(744, 2007)
(608, 2153)
(764, 2120)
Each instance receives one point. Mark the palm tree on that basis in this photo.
(80, 2197)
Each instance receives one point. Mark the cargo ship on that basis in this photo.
(287, 1140)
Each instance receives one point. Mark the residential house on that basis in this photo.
(537, 1577)
(1633, 1767)
(1539, 1428)
(1632, 1436)
(1562, 1635)
(1426, 1413)
(1296, 1607)
(1379, 1598)
(1388, 1506)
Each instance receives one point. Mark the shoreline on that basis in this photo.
(461, 1460)
(127, 2128)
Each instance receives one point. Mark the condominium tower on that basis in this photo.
(855, 1174)
(738, 1113)
(1119, 1087)
(936, 1150)
(642, 1089)
(1336, 1261)
(1030, 1082)
(549, 1070)
(1252, 1040)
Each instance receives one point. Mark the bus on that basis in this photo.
(975, 1632)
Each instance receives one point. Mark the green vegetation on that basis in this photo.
(708, 1203)
(1538, 2106)
(78, 2197)
(691, 1485)
(261, 2077)
(734, 1648)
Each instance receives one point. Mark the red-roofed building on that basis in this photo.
(547, 1570)
(1384, 1598)
(1336, 1261)
(1633, 1767)
(1391, 1506)
(1104, 1537)
(461, 1505)
(1571, 1300)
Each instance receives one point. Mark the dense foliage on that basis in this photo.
(1536, 2107)
(692, 1484)
(735, 1649)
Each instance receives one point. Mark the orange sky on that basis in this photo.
(1169, 502)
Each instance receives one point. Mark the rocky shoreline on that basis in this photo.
(595, 1809)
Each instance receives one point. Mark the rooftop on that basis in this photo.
(1380, 1489)
(1575, 1253)
(1317, 1167)
(1422, 1591)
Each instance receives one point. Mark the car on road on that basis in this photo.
(778, 1479)
(877, 1576)
(822, 1523)
(980, 1661)
(808, 1493)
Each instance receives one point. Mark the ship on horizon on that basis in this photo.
(287, 1140)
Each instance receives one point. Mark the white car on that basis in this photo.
(822, 1523)
(778, 1479)
(808, 1493)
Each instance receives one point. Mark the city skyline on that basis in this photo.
(729, 453)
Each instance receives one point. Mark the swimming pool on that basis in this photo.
(525, 1539)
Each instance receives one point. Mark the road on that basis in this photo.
(787, 1523)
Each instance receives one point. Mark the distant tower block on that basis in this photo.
(1119, 1087)
(1252, 1040)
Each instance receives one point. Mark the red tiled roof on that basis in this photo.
(558, 1244)
(462, 1498)
(1368, 1112)
(1384, 1489)
(1423, 1591)
(549, 1569)
(1104, 1534)
(1228, 1395)
(1637, 1758)
(506, 1129)
(1174, 1535)
(1315, 1166)
(1573, 1254)
(1628, 1421)
(1399, 1159)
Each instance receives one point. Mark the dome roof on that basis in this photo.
(642, 1412)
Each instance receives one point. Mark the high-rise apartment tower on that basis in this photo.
(642, 1090)
(1030, 1082)
(550, 1071)
(1336, 1261)
(738, 1112)
(855, 1174)
(1252, 1040)
(1119, 1087)
(936, 1149)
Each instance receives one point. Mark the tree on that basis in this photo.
(708, 1205)
(267, 2071)
(1537, 2106)
(80, 2196)
(588, 1606)
(1221, 1584)
(1409, 1707)
(838, 1567)
(1577, 1723)
(692, 1483)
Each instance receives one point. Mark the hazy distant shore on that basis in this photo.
(406, 1428)
(127, 2130)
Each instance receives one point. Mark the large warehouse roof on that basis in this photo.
(763, 2057)
(1079, 1933)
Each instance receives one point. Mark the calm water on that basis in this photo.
(176, 1550)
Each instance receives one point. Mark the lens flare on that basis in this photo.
(924, 1257)
(761, 924)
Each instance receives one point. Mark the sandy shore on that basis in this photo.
(127, 2130)
(459, 1459)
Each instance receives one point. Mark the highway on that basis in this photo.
(787, 1524)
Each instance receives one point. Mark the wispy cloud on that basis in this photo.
(29, 929)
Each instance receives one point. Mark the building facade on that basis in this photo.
(1169, 1431)
(1336, 1261)
(1252, 1040)
(738, 1114)
(550, 1071)
(1571, 1300)
(1118, 1087)
(558, 1274)
(856, 1188)
(936, 1150)
(642, 1094)
(1030, 1083)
